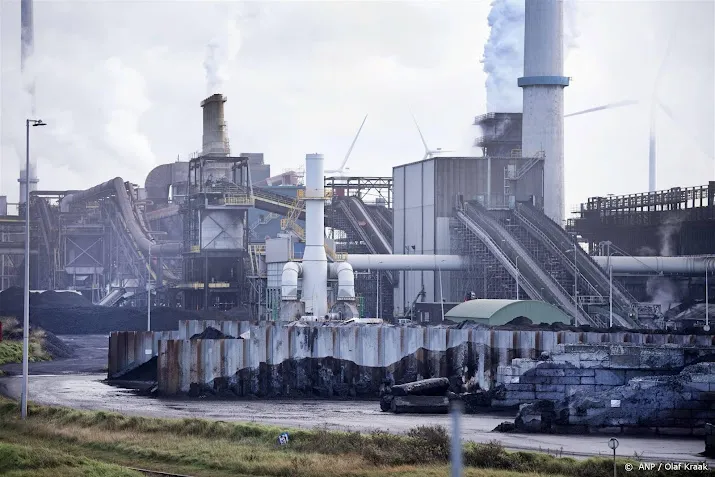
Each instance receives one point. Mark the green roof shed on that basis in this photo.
(501, 312)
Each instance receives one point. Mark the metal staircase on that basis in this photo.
(625, 305)
(550, 289)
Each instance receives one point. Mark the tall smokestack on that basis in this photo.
(315, 262)
(543, 87)
(215, 139)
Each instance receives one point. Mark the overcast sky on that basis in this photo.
(120, 83)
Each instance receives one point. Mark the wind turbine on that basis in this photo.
(655, 103)
(342, 168)
(429, 153)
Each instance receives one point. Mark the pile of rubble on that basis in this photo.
(433, 396)
(668, 405)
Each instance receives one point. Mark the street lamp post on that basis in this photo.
(26, 311)
(517, 277)
(441, 295)
(707, 298)
(148, 293)
(610, 286)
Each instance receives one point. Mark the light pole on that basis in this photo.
(610, 286)
(517, 277)
(707, 298)
(148, 293)
(441, 295)
(26, 311)
(377, 299)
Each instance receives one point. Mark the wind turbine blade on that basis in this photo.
(683, 130)
(619, 104)
(664, 61)
(427, 151)
(347, 156)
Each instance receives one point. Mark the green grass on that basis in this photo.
(11, 350)
(24, 461)
(211, 448)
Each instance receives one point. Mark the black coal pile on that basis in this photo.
(433, 396)
(101, 320)
(146, 372)
(212, 333)
(56, 347)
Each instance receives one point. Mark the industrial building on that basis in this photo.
(220, 232)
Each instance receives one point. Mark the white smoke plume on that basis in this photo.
(571, 31)
(663, 292)
(221, 51)
(503, 58)
(667, 232)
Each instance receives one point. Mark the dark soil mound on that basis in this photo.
(102, 320)
(211, 333)
(55, 298)
(12, 300)
(520, 321)
(56, 347)
(144, 372)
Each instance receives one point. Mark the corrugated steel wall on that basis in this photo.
(182, 361)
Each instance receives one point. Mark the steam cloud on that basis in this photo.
(667, 231)
(503, 58)
(221, 51)
(663, 292)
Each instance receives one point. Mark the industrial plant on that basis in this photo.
(372, 272)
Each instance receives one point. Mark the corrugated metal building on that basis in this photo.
(425, 194)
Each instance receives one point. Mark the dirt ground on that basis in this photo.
(77, 382)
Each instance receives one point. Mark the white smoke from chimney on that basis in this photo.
(503, 58)
(221, 51)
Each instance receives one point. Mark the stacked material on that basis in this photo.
(431, 396)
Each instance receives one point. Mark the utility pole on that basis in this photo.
(610, 286)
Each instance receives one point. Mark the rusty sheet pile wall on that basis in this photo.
(271, 359)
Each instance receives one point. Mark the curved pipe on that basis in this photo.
(407, 262)
(289, 281)
(694, 265)
(116, 186)
(346, 280)
(162, 177)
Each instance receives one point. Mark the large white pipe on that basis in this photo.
(315, 262)
(289, 281)
(343, 271)
(407, 262)
(543, 88)
(695, 265)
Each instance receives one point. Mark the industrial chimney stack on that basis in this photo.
(215, 139)
(543, 87)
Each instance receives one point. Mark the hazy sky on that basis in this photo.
(120, 83)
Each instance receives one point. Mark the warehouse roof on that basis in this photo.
(501, 312)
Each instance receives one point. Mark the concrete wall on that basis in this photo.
(279, 356)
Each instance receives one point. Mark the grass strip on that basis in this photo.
(213, 448)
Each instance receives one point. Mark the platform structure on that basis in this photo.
(215, 233)
(677, 221)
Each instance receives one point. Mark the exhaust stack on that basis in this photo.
(215, 139)
(543, 86)
(315, 261)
